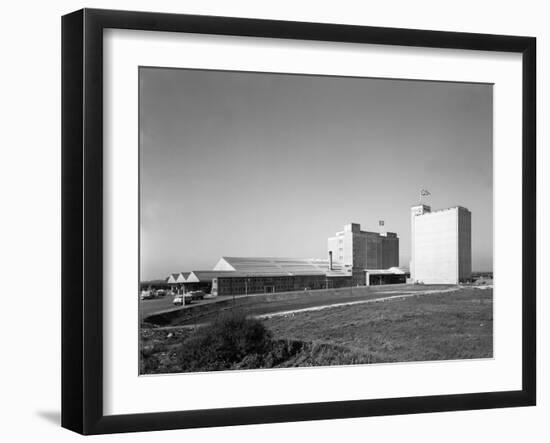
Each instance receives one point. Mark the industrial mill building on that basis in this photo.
(355, 257)
(441, 245)
(360, 251)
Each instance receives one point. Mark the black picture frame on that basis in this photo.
(82, 219)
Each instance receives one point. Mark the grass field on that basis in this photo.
(440, 326)
(261, 304)
(456, 325)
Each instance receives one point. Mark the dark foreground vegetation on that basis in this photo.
(456, 325)
(234, 341)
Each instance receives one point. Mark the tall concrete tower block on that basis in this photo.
(441, 245)
(415, 210)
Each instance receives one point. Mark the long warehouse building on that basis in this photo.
(253, 275)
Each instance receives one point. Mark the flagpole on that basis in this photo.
(423, 193)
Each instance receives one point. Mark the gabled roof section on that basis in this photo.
(206, 276)
(182, 277)
(223, 265)
(172, 278)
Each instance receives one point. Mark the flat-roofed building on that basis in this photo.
(391, 276)
(360, 250)
(441, 240)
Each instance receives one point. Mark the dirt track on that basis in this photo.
(358, 302)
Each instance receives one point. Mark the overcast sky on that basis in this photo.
(251, 164)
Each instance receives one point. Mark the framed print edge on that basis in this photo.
(72, 222)
(529, 209)
(82, 222)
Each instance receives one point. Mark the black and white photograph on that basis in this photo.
(243, 222)
(295, 220)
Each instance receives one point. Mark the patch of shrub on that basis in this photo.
(324, 354)
(231, 341)
(281, 351)
(234, 341)
(149, 362)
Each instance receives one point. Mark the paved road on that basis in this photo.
(164, 304)
(154, 306)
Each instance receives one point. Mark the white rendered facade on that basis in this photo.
(441, 249)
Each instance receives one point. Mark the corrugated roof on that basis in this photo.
(266, 266)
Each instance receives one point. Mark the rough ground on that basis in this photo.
(262, 304)
(444, 326)
(433, 326)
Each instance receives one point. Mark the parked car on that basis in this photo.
(160, 293)
(146, 294)
(196, 295)
(182, 299)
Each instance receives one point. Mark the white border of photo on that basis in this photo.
(126, 392)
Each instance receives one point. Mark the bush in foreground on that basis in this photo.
(230, 340)
(237, 342)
